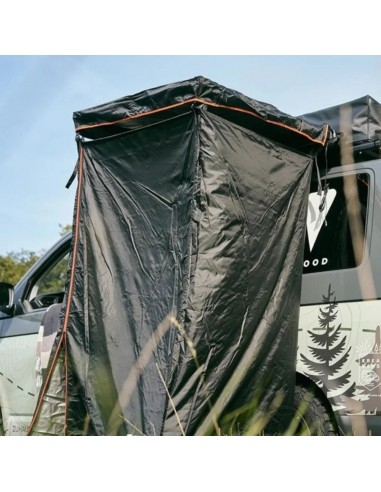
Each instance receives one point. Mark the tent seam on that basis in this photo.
(208, 103)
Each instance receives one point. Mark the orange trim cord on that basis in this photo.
(208, 103)
(72, 275)
(44, 388)
(63, 337)
(66, 397)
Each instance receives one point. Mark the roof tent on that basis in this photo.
(357, 125)
(182, 300)
(358, 120)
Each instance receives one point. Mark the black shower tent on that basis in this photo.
(182, 300)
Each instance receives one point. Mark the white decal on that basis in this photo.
(315, 217)
(315, 262)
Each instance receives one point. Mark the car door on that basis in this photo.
(41, 287)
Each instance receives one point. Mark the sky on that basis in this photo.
(39, 93)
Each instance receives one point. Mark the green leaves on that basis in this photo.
(14, 265)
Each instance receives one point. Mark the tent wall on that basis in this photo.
(242, 306)
(135, 215)
(199, 218)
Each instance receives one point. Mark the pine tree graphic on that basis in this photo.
(370, 377)
(327, 353)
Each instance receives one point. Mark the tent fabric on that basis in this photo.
(182, 302)
(153, 105)
(357, 120)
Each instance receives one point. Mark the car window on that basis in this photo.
(49, 287)
(330, 241)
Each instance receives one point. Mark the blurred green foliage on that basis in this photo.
(14, 265)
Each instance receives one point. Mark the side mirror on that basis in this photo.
(6, 298)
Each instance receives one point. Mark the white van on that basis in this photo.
(339, 342)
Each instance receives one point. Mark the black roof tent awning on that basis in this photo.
(357, 121)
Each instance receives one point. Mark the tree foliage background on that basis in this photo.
(14, 265)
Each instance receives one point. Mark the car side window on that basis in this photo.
(335, 240)
(49, 287)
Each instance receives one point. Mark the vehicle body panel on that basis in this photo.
(351, 376)
(18, 343)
